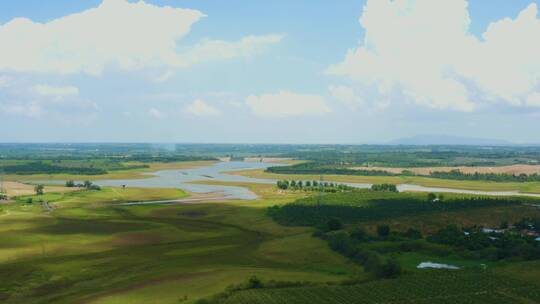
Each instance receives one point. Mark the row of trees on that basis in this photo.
(312, 186)
(493, 177)
(45, 168)
(384, 188)
(88, 185)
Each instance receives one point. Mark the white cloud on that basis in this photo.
(155, 113)
(423, 51)
(534, 100)
(19, 97)
(57, 92)
(129, 35)
(201, 108)
(209, 50)
(287, 103)
(345, 95)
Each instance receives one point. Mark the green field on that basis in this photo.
(89, 250)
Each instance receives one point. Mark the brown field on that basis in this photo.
(513, 169)
(17, 188)
(275, 160)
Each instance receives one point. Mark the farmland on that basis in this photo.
(290, 245)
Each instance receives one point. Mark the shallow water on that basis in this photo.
(424, 265)
(181, 178)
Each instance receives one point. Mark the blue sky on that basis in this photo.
(268, 71)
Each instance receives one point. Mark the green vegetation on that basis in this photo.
(384, 188)
(458, 175)
(289, 246)
(312, 186)
(90, 249)
(456, 287)
(370, 205)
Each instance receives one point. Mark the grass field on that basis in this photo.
(526, 187)
(89, 251)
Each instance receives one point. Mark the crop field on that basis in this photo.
(371, 206)
(429, 287)
(512, 169)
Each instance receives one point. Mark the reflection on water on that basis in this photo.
(181, 178)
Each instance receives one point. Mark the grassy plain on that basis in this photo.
(526, 187)
(91, 251)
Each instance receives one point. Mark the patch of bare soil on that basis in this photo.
(18, 188)
(513, 169)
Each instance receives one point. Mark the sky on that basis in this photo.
(281, 71)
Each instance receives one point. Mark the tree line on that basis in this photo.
(312, 186)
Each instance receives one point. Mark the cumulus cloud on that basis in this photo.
(286, 103)
(422, 51)
(201, 108)
(128, 35)
(53, 102)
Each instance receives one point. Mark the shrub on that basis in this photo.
(334, 224)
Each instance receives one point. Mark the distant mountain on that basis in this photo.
(433, 139)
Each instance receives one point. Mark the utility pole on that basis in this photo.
(2, 189)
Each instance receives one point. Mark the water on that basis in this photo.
(424, 265)
(182, 178)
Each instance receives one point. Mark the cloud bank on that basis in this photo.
(118, 33)
(422, 51)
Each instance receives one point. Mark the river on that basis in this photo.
(183, 178)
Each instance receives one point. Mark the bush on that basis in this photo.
(383, 230)
(359, 234)
(334, 224)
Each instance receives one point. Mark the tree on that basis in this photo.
(39, 189)
(431, 197)
(283, 185)
(70, 184)
(383, 230)
(390, 269)
(359, 234)
(87, 184)
(334, 224)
